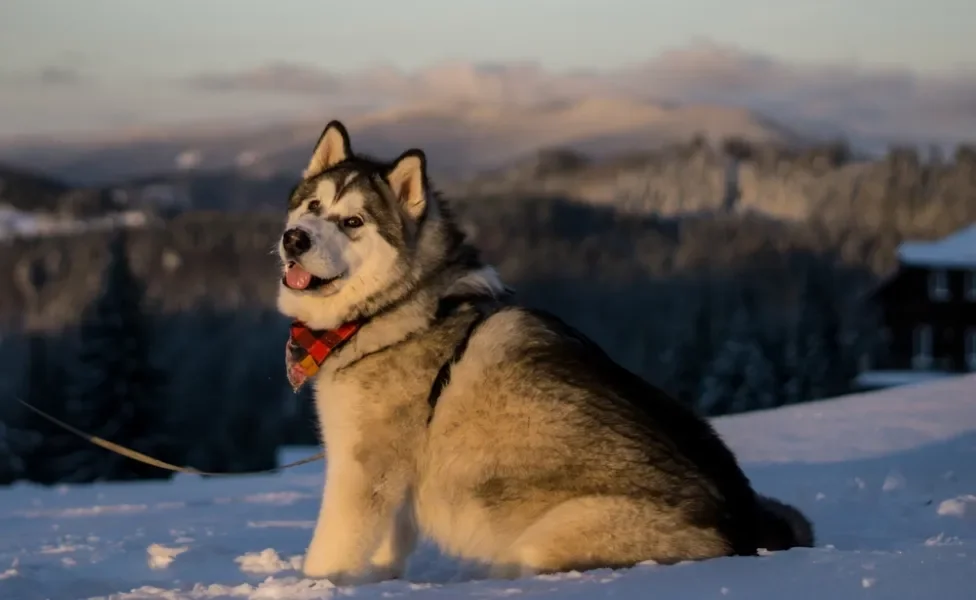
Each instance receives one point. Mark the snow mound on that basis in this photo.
(161, 556)
(267, 561)
(963, 506)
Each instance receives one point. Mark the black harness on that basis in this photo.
(485, 307)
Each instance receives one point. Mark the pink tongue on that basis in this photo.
(297, 277)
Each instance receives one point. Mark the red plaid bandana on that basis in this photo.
(307, 349)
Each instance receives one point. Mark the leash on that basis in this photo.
(314, 347)
(146, 459)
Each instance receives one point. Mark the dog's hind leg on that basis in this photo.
(607, 532)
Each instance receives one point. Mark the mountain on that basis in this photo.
(32, 204)
(474, 116)
(25, 190)
(461, 137)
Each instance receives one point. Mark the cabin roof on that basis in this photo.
(955, 250)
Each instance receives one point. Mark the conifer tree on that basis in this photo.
(740, 377)
(814, 349)
(11, 465)
(37, 441)
(116, 388)
(693, 355)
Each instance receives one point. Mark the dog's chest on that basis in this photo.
(370, 403)
(339, 407)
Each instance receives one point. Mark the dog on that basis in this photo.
(499, 432)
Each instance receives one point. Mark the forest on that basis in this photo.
(165, 339)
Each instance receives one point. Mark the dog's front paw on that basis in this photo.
(314, 568)
(347, 578)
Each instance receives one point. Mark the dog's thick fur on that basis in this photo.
(501, 433)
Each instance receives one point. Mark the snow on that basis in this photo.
(246, 158)
(956, 250)
(18, 223)
(887, 478)
(189, 159)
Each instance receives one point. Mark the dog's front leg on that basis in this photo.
(390, 558)
(358, 509)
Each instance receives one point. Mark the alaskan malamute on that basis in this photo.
(499, 432)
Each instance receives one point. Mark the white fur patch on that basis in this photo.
(484, 280)
(325, 191)
(351, 203)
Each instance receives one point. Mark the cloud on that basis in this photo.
(871, 106)
(279, 77)
(866, 104)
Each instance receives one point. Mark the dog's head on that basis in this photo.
(352, 222)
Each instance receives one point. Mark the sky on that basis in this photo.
(72, 65)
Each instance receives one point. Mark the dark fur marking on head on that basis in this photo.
(345, 181)
(337, 173)
(299, 193)
(385, 212)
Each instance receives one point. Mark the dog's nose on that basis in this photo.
(296, 242)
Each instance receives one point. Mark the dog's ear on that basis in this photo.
(408, 180)
(332, 148)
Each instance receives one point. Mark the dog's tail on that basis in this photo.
(782, 526)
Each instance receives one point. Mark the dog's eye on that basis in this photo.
(314, 205)
(352, 222)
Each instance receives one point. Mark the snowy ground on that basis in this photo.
(19, 223)
(889, 479)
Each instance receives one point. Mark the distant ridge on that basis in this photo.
(461, 137)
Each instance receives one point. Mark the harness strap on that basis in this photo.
(444, 373)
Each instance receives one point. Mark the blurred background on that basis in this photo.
(749, 203)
